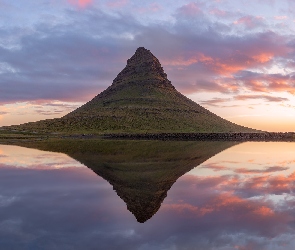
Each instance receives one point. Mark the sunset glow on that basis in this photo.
(235, 58)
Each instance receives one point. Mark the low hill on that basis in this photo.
(141, 99)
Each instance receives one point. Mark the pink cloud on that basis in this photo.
(153, 7)
(267, 82)
(219, 65)
(215, 167)
(250, 22)
(81, 3)
(223, 203)
(256, 53)
(281, 17)
(218, 12)
(265, 97)
(260, 171)
(117, 3)
(248, 185)
(190, 9)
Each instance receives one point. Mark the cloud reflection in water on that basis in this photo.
(218, 205)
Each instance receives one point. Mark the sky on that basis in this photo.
(234, 57)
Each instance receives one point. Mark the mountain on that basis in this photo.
(141, 99)
(141, 172)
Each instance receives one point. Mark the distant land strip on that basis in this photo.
(262, 136)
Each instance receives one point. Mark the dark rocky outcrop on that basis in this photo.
(144, 68)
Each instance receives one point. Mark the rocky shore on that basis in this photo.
(264, 136)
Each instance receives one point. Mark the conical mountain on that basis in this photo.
(141, 99)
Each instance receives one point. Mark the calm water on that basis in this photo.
(241, 198)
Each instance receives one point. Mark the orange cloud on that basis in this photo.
(267, 83)
(264, 211)
(223, 66)
(209, 61)
(223, 202)
(263, 57)
(282, 85)
(265, 183)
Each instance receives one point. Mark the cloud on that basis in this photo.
(216, 101)
(250, 22)
(77, 59)
(281, 17)
(212, 211)
(117, 3)
(260, 82)
(215, 167)
(222, 13)
(80, 3)
(225, 202)
(190, 10)
(151, 8)
(65, 62)
(265, 97)
(52, 108)
(25, 211)
(260, 171)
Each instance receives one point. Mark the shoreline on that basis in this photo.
(262, 136)
(265, 136)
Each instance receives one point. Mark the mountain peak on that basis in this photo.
(143, 68)
(142, 55)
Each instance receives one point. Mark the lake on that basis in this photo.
(147, 195)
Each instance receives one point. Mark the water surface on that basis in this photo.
(240, 198)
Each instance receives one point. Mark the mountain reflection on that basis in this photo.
(242, 198)
(141, 172)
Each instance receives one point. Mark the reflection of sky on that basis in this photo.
(241, 198)
(251, 158)
(32, 158)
